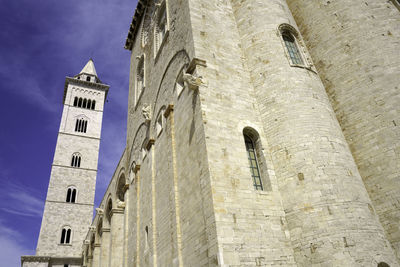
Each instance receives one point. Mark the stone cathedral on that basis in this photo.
(259, 133)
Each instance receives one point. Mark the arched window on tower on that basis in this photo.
(256, 160)
(81, 125)
(292, 48)
(84, 103)
(75, 101)
(93, 104)
(65, 235)
(80, 102)
(76, 160)
(71, 195)
(253, 163)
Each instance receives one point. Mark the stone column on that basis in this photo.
(126, 225)
(117, 236)
(105, 247)
(96, 255)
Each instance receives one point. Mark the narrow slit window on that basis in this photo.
(253, 163)
(68, 195)
(84, 103)
(93, 104)
(80, 102)
(75, 101)
(73, 196)
(292, 48)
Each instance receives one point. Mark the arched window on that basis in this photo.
(80, 125)
(80, 102)
(291, 47)
(66, 235)
(89, 104)
(93, 104)
(161, 28)
(71, 195)
(76, 160)
(253, 162)
(383, 264)
(140, 78)
(84, 103)
(75, 101)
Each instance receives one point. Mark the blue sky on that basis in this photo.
(41, 42)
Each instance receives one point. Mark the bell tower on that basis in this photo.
(69, 203)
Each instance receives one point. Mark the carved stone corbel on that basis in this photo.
(146, 112)
(99, 211)
(193, 82)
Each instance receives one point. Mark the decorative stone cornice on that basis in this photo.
(35, 259)
(99, 86)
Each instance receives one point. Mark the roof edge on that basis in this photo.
(137, 17)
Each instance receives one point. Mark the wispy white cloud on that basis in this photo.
(11, 244)
(24, 201)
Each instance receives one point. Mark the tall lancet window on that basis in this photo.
(253, 162)
(140, 78)
(65, 235)
(161, 29)
(292, 48)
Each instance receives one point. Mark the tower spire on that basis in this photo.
(89, 68)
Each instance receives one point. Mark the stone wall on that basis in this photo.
(355, 48)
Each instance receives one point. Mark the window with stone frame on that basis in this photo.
(292, 48)
(161, 28)
(256, 160)
(253, 162)
(81, 125)
(66, 235)
(76, 160)
(71, 195)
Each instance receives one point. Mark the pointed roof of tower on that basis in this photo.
(84, 79)
(89, 68)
